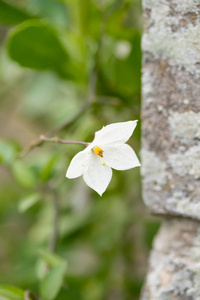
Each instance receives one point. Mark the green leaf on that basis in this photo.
(11, 293)
(28, 202)
(35, 45)
(23, 174)
(50, 258)
(47, 171)
(12, 15)
(8, 151)
(117, 82)
(52, 283)
(56, 14)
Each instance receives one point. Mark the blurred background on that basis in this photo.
(68, 67)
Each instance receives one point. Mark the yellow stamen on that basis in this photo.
(98, 151)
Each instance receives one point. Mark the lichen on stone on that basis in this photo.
(153, 170)
(182, 205)
(186, 163)
(174, 263)
(147, 90)
(185, 126)
(179, 5)
(180, 47)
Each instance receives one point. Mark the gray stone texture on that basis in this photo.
(171, 107)
(171, 145)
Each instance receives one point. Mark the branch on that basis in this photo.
(59, 141)
(92, 84)
(38, 142)
(71, 121)
(108, 100)
(28, 295)
(55, 231)
(89, 101)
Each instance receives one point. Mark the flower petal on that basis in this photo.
(97, 176)
(115, 134)
(78, 164)
(121, 158)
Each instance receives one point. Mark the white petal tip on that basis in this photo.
(100, 194)
(138, 164)
(71, 176)
(68, 174)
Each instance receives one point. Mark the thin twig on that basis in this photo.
(28, 295)
(43, 139)
(108, 100)
(59, 141)
(71, 121)
(55, 231)
(89, 101)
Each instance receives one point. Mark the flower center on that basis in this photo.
(98, 151)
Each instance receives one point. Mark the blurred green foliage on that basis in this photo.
(59, 239)
(9, 292)
(28, 44)
(12, 15)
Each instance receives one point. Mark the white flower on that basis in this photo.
(108, 150)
